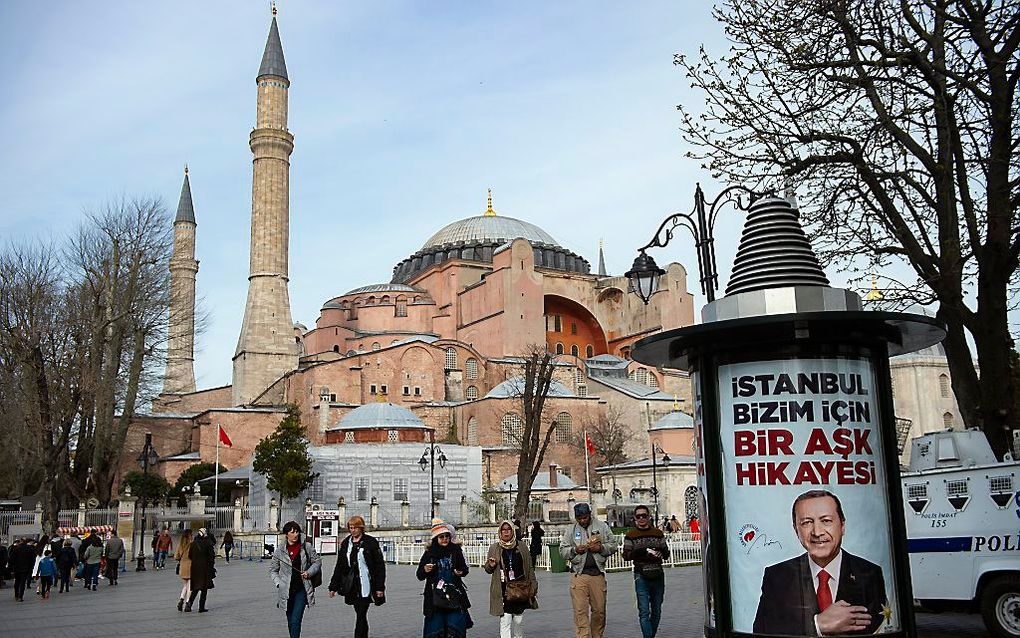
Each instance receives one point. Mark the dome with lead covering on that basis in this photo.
(380, 416)
(489, 228)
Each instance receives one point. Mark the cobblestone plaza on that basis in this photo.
(144, 604)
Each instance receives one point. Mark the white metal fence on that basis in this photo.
(684, 549)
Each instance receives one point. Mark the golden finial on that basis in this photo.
(676, 403)
(274, 9)
(488, 211)
(874, 294)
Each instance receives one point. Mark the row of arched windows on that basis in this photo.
(644, 377)
(589, 350)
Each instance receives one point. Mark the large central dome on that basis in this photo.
(489, 228)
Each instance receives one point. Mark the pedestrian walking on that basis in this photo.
(296, 570)
(360, 573)
(66, 559)
(22, 559)
(228, 544)
(585, 546)
(203, 569)
(92, 557)
(646, 547)
(40, 547)
(513, 587)
(114, 552)
(445, 603)
(164, 544)
(47, 573)
(536, 541)
(183, 558)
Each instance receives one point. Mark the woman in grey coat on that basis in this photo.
(294, 566)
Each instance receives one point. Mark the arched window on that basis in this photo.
(690, 502)
(471, 368)
(451, 358)
(385, 299)
(472, 435)
(559, 348)
(471, 393)
(375, 345)
(351, 353)
(578, 375)
(574, 351)
(336, 348)
(589, 351)
(401, 309)
(944, 386)
(512, 429)
(653, 381)
(564, 425)
(948, 420)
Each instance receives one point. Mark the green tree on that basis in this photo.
(147, 487)
(282, 457)
(193, 475)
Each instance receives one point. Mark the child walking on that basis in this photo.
(47, 571)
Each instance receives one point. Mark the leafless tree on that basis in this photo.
(608, 432)
(897, 122)
(530, 391)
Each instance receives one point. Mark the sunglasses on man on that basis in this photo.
(641, 516)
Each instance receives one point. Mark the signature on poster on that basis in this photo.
(752, 537)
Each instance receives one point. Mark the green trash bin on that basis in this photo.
(556, 563)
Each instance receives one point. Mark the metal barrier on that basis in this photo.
(249, 550)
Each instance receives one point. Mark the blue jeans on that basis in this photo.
(296, 611)
(649, 603)
(91, 575)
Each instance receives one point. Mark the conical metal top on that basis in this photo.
(602, 262)
(185, 207)
(272, 59)
(774, 252)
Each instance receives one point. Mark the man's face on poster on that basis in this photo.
(819, 528)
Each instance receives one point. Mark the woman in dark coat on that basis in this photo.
(365, 583)
(66, 559)
(203, 569)
(443, 568)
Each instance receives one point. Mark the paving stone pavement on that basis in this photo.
(242, 605)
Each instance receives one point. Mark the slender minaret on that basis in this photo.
(180, 353)
(266, 349)
(602, 262)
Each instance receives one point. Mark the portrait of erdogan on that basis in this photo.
(826, 590)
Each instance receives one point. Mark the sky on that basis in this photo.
(403, 114)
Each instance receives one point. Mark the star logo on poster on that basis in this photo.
(887, 613)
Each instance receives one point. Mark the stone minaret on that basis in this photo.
(180, 352)
(266, 349)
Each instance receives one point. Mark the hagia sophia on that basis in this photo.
(433, 350)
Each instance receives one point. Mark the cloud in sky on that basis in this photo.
(403, 114)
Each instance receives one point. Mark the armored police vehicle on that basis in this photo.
(963, 528)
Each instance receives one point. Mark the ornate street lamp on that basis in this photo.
(644, 274)
(145, 459)
(428, 460)
(657, 449)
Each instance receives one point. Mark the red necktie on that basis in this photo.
(824, 595)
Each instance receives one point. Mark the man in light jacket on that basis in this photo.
(585, 546)
(114, 551)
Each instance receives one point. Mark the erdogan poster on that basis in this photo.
(807, 514)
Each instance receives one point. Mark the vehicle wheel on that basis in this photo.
(1000, 607)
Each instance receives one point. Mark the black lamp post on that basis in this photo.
(428, 460)
(657, 449)
(644, 274)
(146, 458)
(784, 368)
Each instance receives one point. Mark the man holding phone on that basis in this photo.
(585, 546)
(646, 547)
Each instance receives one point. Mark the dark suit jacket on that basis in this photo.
(788, 602)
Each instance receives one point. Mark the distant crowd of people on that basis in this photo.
(40, 563)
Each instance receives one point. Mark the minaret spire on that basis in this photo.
(179, 377)
(265, 348)
(602, 262)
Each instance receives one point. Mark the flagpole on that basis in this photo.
(216, 484)
(587, 471)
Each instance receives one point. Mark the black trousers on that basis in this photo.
(65, 579)
(201, 599)
(20, 582)
(361, 625)
(112, 569)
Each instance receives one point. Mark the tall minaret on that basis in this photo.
(266, 349)
(180, 352)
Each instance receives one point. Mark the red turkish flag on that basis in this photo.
(224, 439)
(589, 444)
